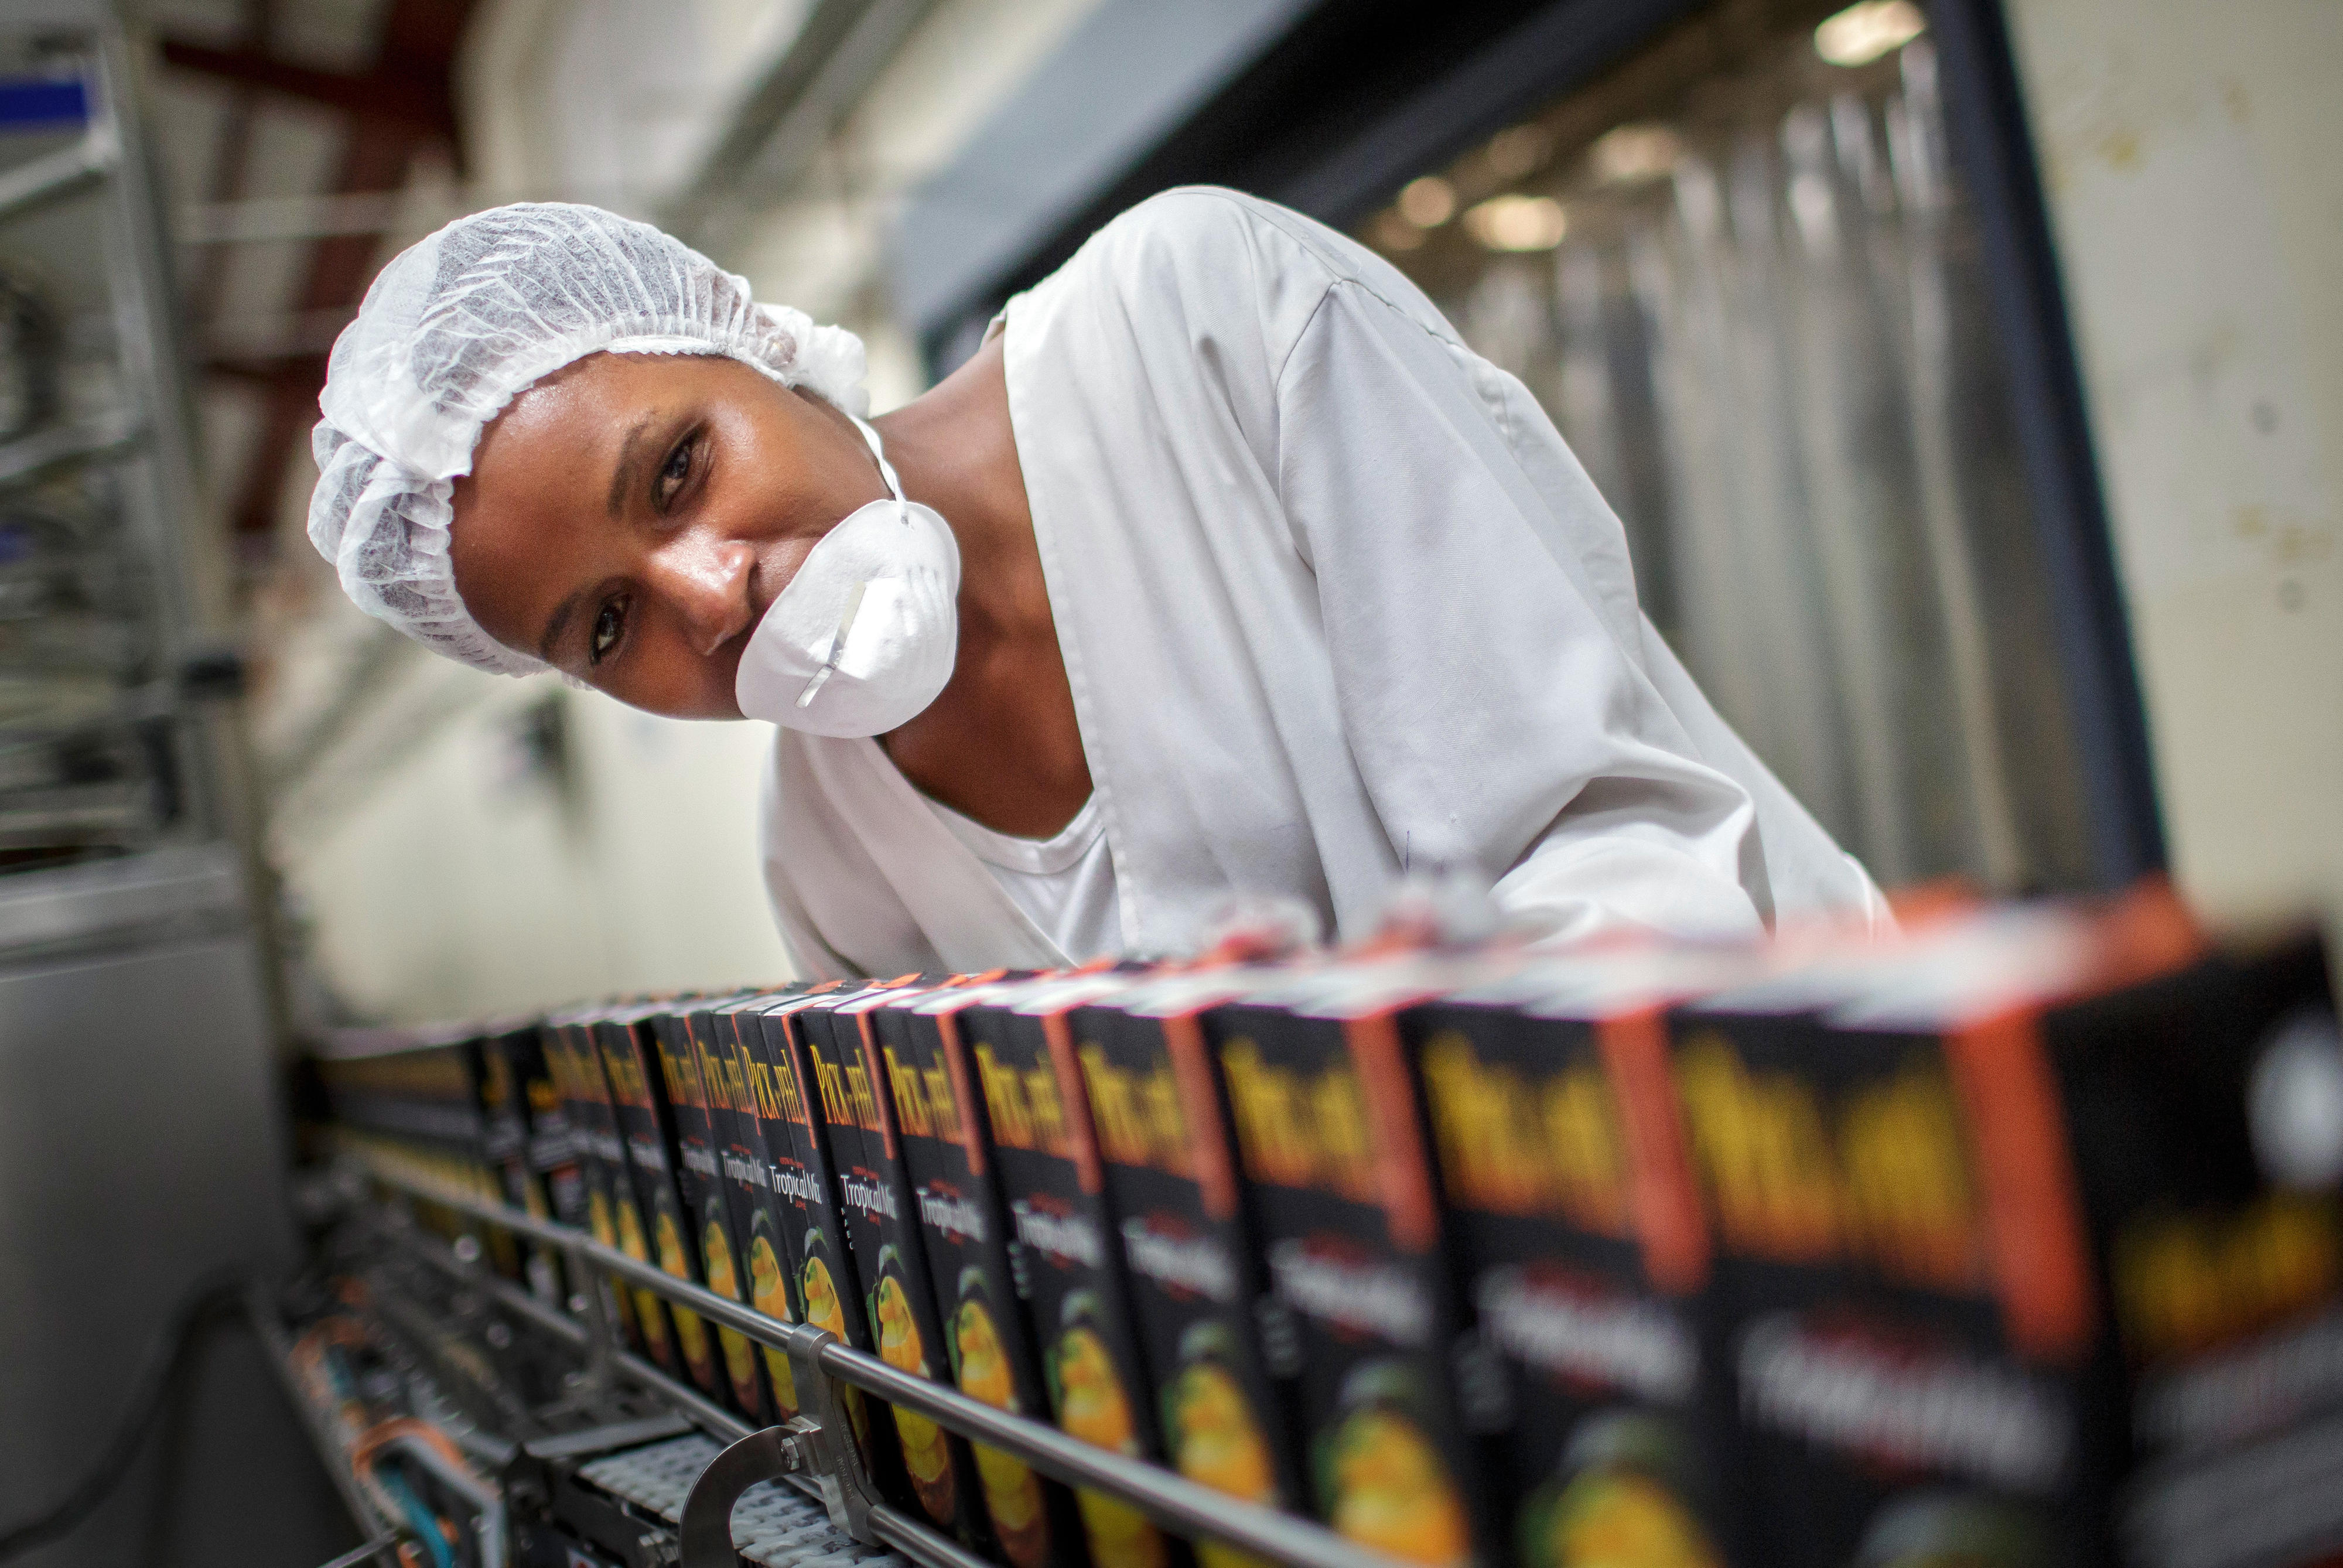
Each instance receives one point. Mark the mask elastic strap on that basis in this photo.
(854, 601)
(886, 468)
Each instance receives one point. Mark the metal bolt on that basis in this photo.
(467, 1248)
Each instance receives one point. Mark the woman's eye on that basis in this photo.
(610, 624)
(672, 473)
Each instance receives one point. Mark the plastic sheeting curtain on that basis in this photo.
(1769, 347)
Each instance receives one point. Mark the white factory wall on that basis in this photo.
(476, 879)
(2190, 152)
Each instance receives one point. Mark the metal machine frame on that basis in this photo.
(815, 1452)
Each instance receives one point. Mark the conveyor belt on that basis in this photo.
(774, 1524)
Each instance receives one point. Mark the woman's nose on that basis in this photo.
(709, 585)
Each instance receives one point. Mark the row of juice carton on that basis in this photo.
(2014, 1242)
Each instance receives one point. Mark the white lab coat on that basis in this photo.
(1336, 601)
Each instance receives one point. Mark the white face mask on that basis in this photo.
(866, 634)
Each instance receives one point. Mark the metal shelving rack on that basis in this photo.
(816, 1451)
(87, 214)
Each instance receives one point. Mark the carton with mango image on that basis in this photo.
(926, 1452)
(690, 1331)
(983, 1370)
(1575, 1232)
(1339, 1183)
(1200, 1313)
(825, 1308)
(954, 1200)
(646, 1126)
(724, 1279)
(1209, 1426)
(1043, 1144)
(744, 1177)
(602, 1168)
(1380, 1479)
(769, 1292)
(1094, 1403)
(1625, 1496)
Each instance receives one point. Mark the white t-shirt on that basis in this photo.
(1064, 883)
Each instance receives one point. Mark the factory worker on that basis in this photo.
(1224, 568)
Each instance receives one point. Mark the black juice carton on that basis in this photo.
(477, 1167)
(701, 1185)
(509, 1056)
(646, 1126)
(2207, 1113)
(411, 1104)
(556, 1160)
(1580, 1249)
(943, 1133)
(1055, 1190)
(1334, 1157)
(899, 1291)
(748, 1172)
(1217, 1349)
(846, 1095)
(611, 1215)
(1905, 1320)
(788, 1197)
(829, 1285)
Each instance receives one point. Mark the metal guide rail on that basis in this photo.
(817, 1452)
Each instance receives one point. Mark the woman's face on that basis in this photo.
(630, 517)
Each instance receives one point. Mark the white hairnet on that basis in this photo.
(460, 324)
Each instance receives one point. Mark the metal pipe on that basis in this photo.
(916, 1541)
(1169, 1498)
(58, 173)
(895, 1529)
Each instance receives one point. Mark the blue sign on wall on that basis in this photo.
(30, 103)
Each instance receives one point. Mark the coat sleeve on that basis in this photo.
(1479, 612)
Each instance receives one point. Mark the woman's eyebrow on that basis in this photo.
(628, 454)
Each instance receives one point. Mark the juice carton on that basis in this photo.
(705, 1202)
(1053, 1186)
(1218, 1348)
(829, 1283)
(747, 1169)
(1391, 1404)
(1578, 1243)
(647, 1127)
(974, 1263)
(900, 1291)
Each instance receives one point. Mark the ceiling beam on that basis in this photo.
(404, 101)
(394, 90)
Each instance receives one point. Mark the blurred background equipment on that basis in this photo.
(140, 1148)
(1754, 303)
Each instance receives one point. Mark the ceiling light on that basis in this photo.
(1517, 223)
(1863, 32)
(1428, 203)
(1629, 154)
